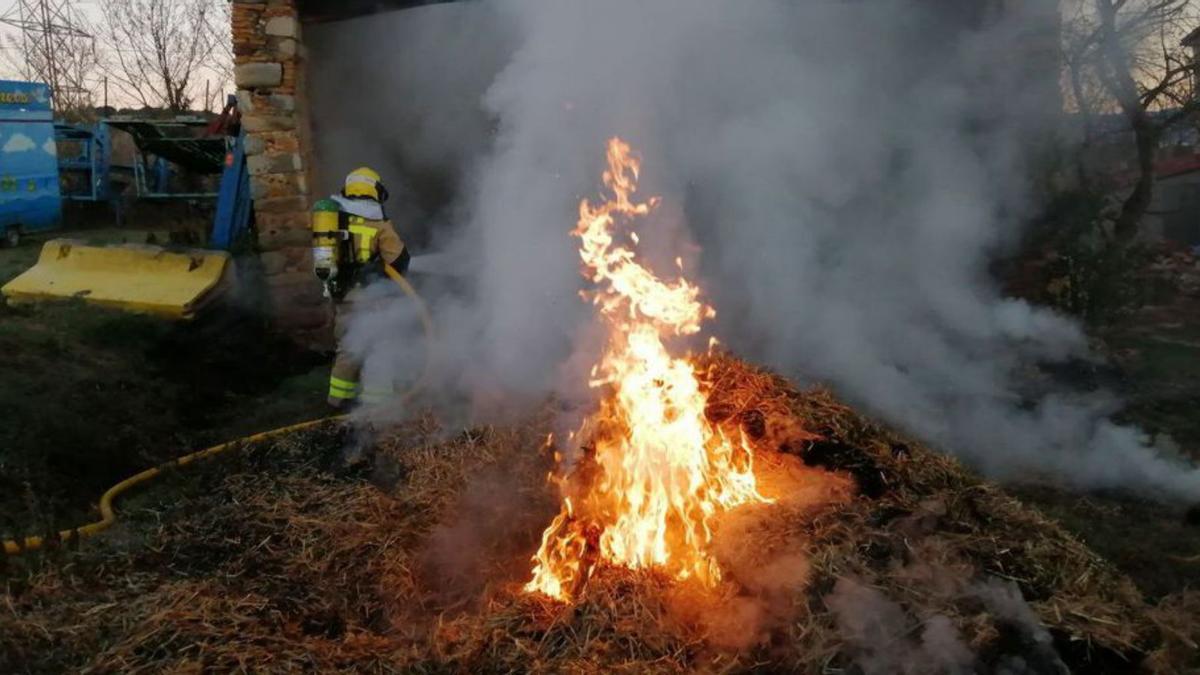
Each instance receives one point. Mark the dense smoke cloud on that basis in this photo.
(848, 171)
(401, 93)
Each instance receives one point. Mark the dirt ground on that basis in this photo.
(92, 395)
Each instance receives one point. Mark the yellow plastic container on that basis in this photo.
(136, 277)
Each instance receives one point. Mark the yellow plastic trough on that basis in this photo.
(135, 277)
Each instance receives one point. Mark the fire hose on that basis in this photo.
(108, 516)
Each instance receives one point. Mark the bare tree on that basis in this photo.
(157, 49)
(1125, 56)
(1084, 93)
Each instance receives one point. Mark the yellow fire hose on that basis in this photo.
(426, 325)
(108, 516)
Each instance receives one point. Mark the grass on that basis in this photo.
(92, 395)
(1155, 354)
(1158, 358)
(13, 261)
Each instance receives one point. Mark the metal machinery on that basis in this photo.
(232, 219)
(84, 162)
(172, 282)
(29, 196)
(169, 152)
(173, 159)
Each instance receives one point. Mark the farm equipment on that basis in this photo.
(29, 198)
(85, 166)
(168, 281)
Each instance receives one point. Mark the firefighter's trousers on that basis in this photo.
(346, 385)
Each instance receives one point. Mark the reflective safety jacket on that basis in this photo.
(372, 238)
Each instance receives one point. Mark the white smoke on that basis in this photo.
(882, 639)
(848, 169)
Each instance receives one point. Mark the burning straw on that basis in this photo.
(276, 561)
(656, 473)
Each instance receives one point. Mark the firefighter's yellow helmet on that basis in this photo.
(365, 182)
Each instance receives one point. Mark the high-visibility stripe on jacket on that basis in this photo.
(373, 238)
(364, 239)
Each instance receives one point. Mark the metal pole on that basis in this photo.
(23, 12)
(52, 68)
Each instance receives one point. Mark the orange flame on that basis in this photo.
(659, 472)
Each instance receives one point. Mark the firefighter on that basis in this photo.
(352, 241)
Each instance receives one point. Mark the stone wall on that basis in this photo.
(269, 73)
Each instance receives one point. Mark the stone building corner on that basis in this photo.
(269, 75)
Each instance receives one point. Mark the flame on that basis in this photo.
(657, 472)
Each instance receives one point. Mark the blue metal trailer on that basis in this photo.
(29, 194)
(84, 162)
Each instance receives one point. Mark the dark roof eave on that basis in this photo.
(324, 11)
(1192, 39)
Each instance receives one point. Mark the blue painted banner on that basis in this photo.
(29, 191)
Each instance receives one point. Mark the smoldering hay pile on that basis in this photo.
(876, 554)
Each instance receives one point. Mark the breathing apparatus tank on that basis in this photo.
(326, 241)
